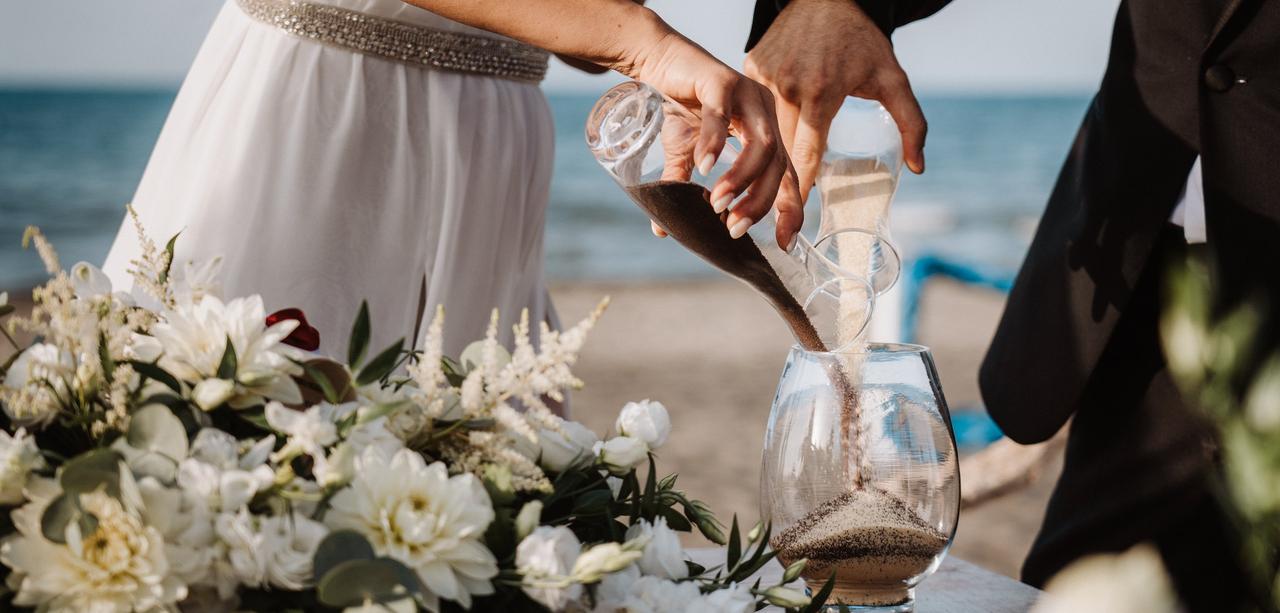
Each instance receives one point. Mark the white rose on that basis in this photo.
(646, 420)
(89, 281)
(621, 453)
(663, 556)
(18, 457)
(572, 443)
(289, 544)
(544, 556)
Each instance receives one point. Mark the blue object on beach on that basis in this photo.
(974, 429)
(929, 265)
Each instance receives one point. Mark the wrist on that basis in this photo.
(642, 42)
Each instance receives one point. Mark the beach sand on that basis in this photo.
(711, 351)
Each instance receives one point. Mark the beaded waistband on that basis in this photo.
(400, 41)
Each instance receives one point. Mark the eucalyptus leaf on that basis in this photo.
(91, 470)
(355, 582)
(381, 365)
(60, 514)
(360, 331)
(338, 547)
(155, 428)
(473, 356)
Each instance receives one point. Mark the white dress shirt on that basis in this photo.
(1189, 213)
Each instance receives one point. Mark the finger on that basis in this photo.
(811, 141)
(657, 230)
(788, 116)
(716, 111)
(759, 150)
(789, 206)
(758, 199)
(900, 101)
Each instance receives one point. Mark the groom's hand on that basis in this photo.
(815, 54)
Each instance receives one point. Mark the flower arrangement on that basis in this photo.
(171, 448)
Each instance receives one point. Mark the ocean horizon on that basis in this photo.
(71, 157)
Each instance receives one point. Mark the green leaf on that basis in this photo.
(381, 365)
(156, 429)
(675, 520)
(594, 502)
(92, 470)
(338, 547)
(695, 569)
(153, 372)
(355, 582)
(359, 342)
(227, 367)
(60, 513)
(735, 545)
(668, 482)
(104, 356)
(322, 381)
(7, 309)
(819, 600)
(168, 249)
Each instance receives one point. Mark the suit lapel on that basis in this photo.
(1227, 12)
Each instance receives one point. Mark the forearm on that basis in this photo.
(612, 33)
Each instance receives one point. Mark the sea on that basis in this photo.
(70, 158)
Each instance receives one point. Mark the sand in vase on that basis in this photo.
(870, 540)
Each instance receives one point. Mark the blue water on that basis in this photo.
(70, 159)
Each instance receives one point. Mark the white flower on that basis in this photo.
(603, 559)
(620, 454)
(89, 281)
(216, 476)
(545, 558)
(646, 420)
(46, 374)
(340, 467)
(290, 543)
(195, 335)
(191, 282)
(187, 529)
(18, 457)
(4, 298)
(245, 549)
(572, 443)
(308, 432)
(120, 566)
(211, 393)
(614, 587)
(1112, 583)
(654, 595)
(417, 514)
(663, 556)
(733, 599)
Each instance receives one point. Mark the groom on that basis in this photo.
(1178, 148)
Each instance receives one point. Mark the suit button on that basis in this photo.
(1219, 78)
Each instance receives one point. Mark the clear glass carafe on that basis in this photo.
(860, 474)
(645, 141)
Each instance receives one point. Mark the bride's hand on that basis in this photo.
(728, 102)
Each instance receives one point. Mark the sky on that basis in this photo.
(1016, 46)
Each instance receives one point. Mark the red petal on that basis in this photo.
(304, 336)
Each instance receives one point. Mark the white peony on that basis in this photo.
(120, 566)
(646, 420)
(545, 559)
(46, 374)
(561, 449)
(663, 555)
(289, 544)
(620, 454)
(194, 336)
(18, 457)
(417, 514)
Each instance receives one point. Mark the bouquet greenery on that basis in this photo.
(169, 448)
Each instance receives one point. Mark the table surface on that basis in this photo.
(957, 587)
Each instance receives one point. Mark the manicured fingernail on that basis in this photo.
(656, 230)
(792, 243)
(722, 203)
(740, 228)
(705, 165)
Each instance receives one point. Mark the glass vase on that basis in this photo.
(860, 474)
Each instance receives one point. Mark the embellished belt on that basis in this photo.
(400, 41)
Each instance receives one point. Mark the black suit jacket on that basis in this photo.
(1185, 77)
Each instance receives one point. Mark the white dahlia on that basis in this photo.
(194, 336)
(417, 514)
(120, 566)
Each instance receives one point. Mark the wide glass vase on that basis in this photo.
(860, 475)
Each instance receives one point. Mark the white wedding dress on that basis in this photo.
(324, 176)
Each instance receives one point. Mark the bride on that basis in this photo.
(337, 150)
